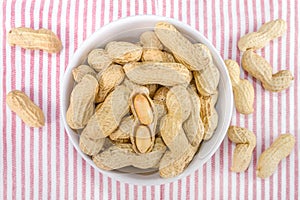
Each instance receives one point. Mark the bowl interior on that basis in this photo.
(129, 29)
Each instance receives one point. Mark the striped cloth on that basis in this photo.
(43, 164)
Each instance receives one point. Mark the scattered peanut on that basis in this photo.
(99, 60)
(270, 158)
(22, 105)
(123, 52)
(183, 50)
(167, 74)
(242, 89)
(28, 38)
(259, 68)
(266, 32)
(245, 143)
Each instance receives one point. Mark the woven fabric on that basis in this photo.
(43, 164)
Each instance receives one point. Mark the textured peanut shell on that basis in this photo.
(172, 164)
(265, 33)
(118, 156)
(167, 74)
(108, 117)
(149, 40)
(245, 143)
(89, 146)
(178, 102)
(123, 52)
(182, 49)
(108, 80)
(207, 79)
(99, 60)
(152, 89)
(82, 70)
(270, 158)
(259, 68)
(209, 115)
(243, 90)
(143, 139)
(193, 126)
(82, 100)
(155, 55)
(161, 94)
(28, 38)
(124, 130)
(22, 105)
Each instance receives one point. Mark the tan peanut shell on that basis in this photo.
(265, 33)
(108, 117)
(209, 115)
(99, 60)
(183, 50)
(270, 158)
(28, 38)
(108, 80)
(89, 146)
(206, 79)
(124, 130)
(82, 70)
(245, 143)
(178, 103)
(156, 55)
(167, 74)
(143, 139)
(82, 101)
(161, 94)
(123, 52)
(122, 155)
(149, 40)
(259, 68)
(172, 164)
(193, 126)
(243, 90)
(22, 105)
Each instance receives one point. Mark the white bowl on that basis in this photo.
(129, 29)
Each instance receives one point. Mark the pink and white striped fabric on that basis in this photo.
(42, 163)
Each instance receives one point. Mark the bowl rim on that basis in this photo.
(85, 44)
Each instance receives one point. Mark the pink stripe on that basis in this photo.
(101, 185)
(296, 94)
(196, 184)
(13, 128)
(118, 189)
(75, 180)
(23, 61)
(66, 138)
(136, 7)
(120, 8)
(40, 100)
(128, 8)
(145, 7)
(152, 192)
(188, 183)
(164, 8)
(94, 15)
(4, 89)
(172, 9)
(179, 191)
(126, 191)
(92, 180)
(280, 116)
(171, 187)
(102, 13)
(153, 7)
(32, 54)
(180, 10)
(135, 192)
(162, 191)
(144, 192)
(197, 15)
(109, 190)
(188, 7)
(288, 113)
(271, 103)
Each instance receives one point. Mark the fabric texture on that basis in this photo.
(43, 164)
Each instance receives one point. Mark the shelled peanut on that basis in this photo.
(144, 108)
